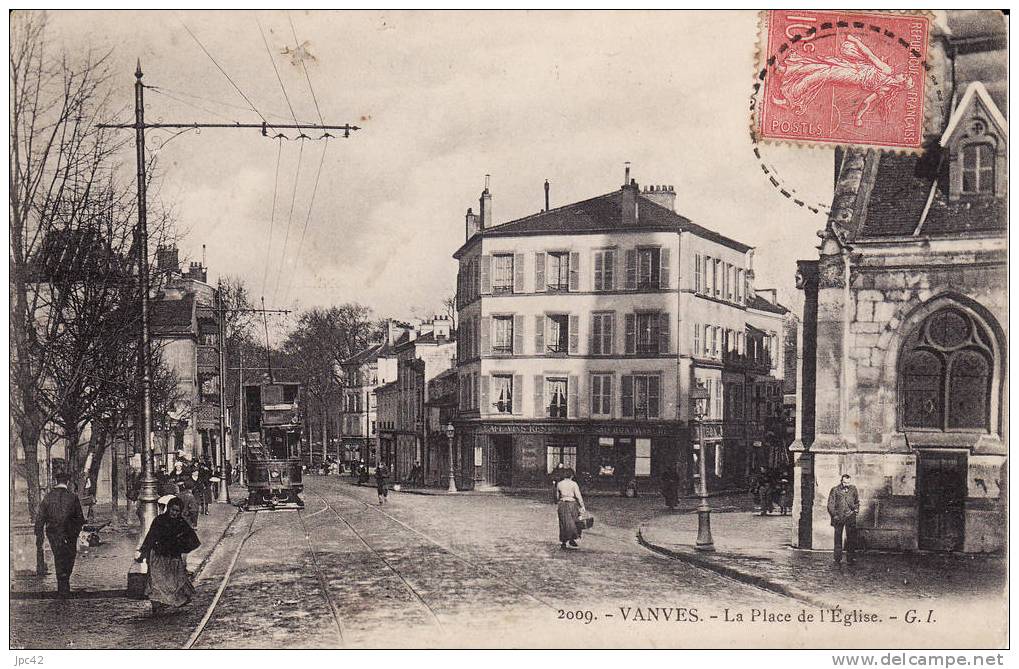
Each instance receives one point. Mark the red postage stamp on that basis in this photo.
(850, 78)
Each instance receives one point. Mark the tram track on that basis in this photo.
(481, 568)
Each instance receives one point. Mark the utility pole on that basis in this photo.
(224, 496)
(148, 493)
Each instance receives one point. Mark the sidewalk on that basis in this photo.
(756, 550)
(101, 571)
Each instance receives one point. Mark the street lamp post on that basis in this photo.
(450, 433)
(699, 395)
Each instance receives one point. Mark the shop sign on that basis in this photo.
(708, 432)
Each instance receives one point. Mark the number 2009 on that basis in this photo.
(585, 616)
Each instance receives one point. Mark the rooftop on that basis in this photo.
(603, 214)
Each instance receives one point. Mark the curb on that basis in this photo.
(695, 559)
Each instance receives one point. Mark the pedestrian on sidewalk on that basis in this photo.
(198, 489)
(571, 505)
(169, 538)
(416, 477)
(187, 497)
(380, 483)
(670, 486)
(204, 469)
(843, 507)
(60, 519)
(557, 475)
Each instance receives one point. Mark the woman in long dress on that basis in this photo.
(169, 538)
(571, 504)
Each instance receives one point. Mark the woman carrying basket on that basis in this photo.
(571, 505)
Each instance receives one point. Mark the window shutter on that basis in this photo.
(606, 390)
(518, 334)
(599, 270)
(696, 338)
(631, 269)
(518, 273)
(697, 273)
(627, 396)
(573, 402)
(608, 280)
(486, 335)
(653, 395)
(664, 337)
(539, 335)
(574, 334)
(574, 271)
(609, 324)
(539, 272)
(631, 333)
(518, 393)
(486, 275)
(593, 338)
(663, 276)
(483, 394)
(594, 392)
(540, 410)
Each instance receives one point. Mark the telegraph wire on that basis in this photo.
(290, 218)
(272, 215)
(311, 203)
(276, 70)
(232, 83)
(304, 67)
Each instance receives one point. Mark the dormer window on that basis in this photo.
(978, 169)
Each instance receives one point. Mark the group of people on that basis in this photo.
(194, 482)
(772, 488)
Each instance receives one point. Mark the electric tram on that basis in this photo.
(272, 427)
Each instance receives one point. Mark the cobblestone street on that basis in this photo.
(437, 571)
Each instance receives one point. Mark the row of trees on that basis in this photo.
(73, 286)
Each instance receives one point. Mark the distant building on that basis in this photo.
(582, 330)
(425, 350)
(903, 381)
(441, 411)
(363, 373)
(185, 331)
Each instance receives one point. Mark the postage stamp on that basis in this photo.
(849, 78)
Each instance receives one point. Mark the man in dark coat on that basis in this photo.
(670, 486)
(843, 506)
(59, 517)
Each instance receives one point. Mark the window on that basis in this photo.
(502, 274)
(558, 340)
(648, 268)
(503, 341)
(647, 332)
(604, 269)
(739, 285)
(641, 395)
(642, 461)
(716, 281)
(557, 271)
(556, 397)
(719, 461)
(502, 393)
(729, 280)
(558, 451)
(946, 373)
(714, 341)
(978, 168)
(606, 456)
(697, 278)
(719, 407)
(696, 338)
(602, 333)
(601, 394)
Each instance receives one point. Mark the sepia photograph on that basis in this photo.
(504, 330)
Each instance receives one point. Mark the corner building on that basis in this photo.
(581, 331)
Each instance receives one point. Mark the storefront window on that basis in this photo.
(642, 460)
(556, 452)
(606, 456)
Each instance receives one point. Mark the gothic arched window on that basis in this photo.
(945, 374)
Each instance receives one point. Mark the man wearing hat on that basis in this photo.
(59, 517)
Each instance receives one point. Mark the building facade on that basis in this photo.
(185, 326)
(903, 376)
(363, 373)
(581, 332)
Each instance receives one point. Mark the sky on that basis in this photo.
(443, 98)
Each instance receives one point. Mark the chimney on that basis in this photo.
(470, 224)
(167, 259)
(626, 175)
(441, 326)
(629, 207)
(197, 272)
(663, 195)
(485, 207)
(768, 294)
(546, 195)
